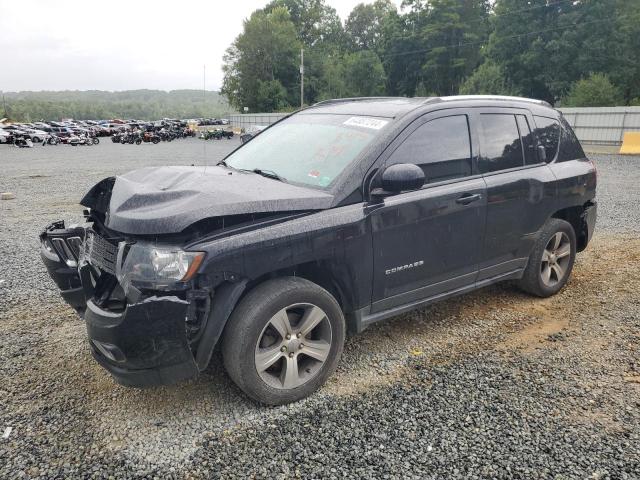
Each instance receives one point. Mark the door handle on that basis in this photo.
(468, 198)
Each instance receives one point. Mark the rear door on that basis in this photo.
(520, 189)
(428, 242)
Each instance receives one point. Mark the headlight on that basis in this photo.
(161, 268)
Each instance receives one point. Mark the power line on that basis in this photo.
(458, 45)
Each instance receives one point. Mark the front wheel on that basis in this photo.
(283, 340)
(551, 260)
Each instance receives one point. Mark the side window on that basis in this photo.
(441, 147)
(570, 148)
(528, 145)
(548, 133)
(500, 145)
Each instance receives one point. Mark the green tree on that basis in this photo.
(546, 47)
(316, 23)
(265, 52)
(364, 26)
(594, 91)
(434, 46)
(488, 79)
(319, 31)
(94, 104)
(357, 74)
(364, 74)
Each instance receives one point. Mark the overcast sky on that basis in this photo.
(118, 45)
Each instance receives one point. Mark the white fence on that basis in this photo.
(249, 119)
(593, 126)
(602, 125)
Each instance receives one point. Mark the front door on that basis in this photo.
(427, 242)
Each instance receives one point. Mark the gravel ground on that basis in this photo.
(495, 384)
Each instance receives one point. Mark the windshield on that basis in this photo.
(312, 149)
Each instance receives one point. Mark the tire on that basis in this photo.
(155, 141)
(36, 140)
(546, 274)
(138, 141)
(96, 141)
(250, 330)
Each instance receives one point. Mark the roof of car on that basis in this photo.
(397, 106)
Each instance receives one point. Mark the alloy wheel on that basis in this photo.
(555, 259)
(293, 346)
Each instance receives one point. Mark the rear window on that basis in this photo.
(528, 145)
(570, 148)
(500, 143)
(548, 133)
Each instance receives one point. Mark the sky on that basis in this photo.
(118, 45)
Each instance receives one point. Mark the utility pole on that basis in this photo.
(301, 77)
(204, 85)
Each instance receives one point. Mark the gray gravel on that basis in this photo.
(491, 385)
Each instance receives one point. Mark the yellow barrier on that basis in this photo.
(630, 143)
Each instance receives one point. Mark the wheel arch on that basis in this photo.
(575, 217)
(228, 295)
(318, 272)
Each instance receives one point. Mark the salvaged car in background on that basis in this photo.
(334, 218)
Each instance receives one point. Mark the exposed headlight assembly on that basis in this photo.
(156, 267)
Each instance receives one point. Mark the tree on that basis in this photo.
(626, 72)
(262, 61)
(358, 74)
(364, 26)
(434, 46)
(95, 104)
(488, 79)
(316, 23)
(364, 74)
(547, 46)
(594, 91)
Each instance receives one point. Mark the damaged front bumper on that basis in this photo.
(60, 250)
(143, 341)
(145, 344)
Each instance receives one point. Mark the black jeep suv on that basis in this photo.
(338, 216)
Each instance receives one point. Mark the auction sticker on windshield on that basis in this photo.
(366, 122)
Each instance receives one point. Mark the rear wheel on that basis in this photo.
(283, 340)
(551, 260)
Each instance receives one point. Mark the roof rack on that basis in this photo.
(364, 99)
(503, 98)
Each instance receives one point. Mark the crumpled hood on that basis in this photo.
(158, 200)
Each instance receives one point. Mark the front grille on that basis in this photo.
(101, 253)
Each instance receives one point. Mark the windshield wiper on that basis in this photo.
(269, 174)
(259, 171)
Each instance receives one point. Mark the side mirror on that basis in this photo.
(401, 177)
